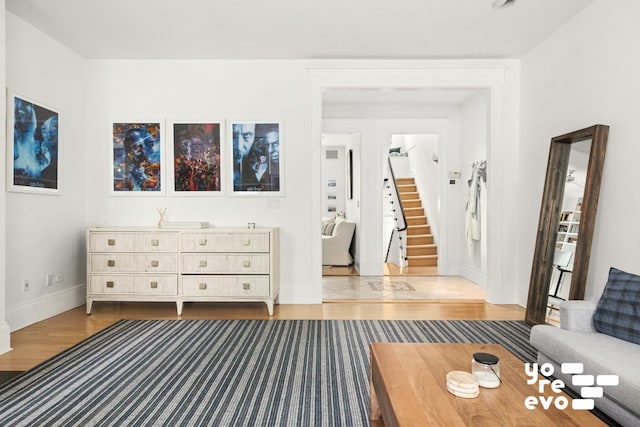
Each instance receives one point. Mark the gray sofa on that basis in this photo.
(577, 341)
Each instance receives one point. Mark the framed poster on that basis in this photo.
(33, 155)
(137, 157)
(196, 151)
(257, 158)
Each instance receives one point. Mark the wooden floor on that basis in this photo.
(37, 343)
(393, 270)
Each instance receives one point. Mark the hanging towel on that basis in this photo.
(472, 218)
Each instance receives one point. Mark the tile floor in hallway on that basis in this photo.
(400, 288)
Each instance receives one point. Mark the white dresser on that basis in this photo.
(153, 264)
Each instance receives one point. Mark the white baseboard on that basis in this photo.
(5, 338)
(49, 305)
(476, 276)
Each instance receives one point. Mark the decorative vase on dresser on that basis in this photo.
(183, 265)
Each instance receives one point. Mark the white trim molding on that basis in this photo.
(49, 305)
(501, 79)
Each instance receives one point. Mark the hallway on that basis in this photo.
(400, 288)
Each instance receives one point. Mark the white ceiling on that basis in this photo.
(296, 29)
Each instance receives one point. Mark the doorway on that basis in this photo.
(410, 209)
(339, 195)
(500, 92)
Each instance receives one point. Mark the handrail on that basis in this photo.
(396, 199)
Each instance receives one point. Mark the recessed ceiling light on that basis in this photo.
(501, 4)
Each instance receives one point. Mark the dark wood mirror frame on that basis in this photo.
(550, 210)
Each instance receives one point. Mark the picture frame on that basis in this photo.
(350, 174)
(33, 146)
(137, 157)
(197, 152)
(257, 158)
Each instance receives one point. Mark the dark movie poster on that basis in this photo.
(196, 157)
(35, 146)
(136, 157)
(256, 157)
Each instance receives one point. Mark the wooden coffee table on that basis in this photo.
(408, 388)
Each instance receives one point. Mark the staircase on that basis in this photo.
(421, 251)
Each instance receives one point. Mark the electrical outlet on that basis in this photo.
(59, 278)
(26, 286)
(49, 280)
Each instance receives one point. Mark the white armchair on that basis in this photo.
(335, 247)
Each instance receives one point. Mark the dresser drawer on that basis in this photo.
(108, 284)
(225, 263)
(225, 242)
(131, 263)
(133, 242)
(141, 284)
(225, 286)
(112, 242)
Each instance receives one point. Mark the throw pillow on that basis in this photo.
(618, 310)
(327, 229)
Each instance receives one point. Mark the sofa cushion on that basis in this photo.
(600, 354)
(618, 310)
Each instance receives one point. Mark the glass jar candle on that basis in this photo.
(486, 368)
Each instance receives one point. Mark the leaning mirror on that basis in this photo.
(567, 218)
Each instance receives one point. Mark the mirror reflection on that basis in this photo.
(563, 247)
(567, 228)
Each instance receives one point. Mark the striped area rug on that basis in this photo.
(226, 372)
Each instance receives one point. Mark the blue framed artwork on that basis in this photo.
(257, 158)
(33, 152)
(137, 157)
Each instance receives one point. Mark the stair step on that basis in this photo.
(419, 239)
(417, 250)
(419, 211)
(417, 220)
(408, 204)
(407, 188)
(413, 230)
(405, 181)
(423, 261)
(409, 196)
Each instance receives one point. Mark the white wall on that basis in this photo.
(209, 90)
(4, 327)
(473, 148)
(334, 169)
(45, 232)
(427, 174)
(586, 73)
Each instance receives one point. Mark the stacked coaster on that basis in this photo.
(462, 384)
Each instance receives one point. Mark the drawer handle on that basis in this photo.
(246, 242)
(110, 284)
(111, 263)
(154, 285)
(246, 286)
(111, 242)
(246, 263)
(203, 263)
(154, 263)
(203, 242)
(202, 286)
(155, 242)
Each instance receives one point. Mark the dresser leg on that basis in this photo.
(89, 304)
(269, 303)
(179, 307)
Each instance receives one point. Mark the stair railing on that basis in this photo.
(400, 231)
